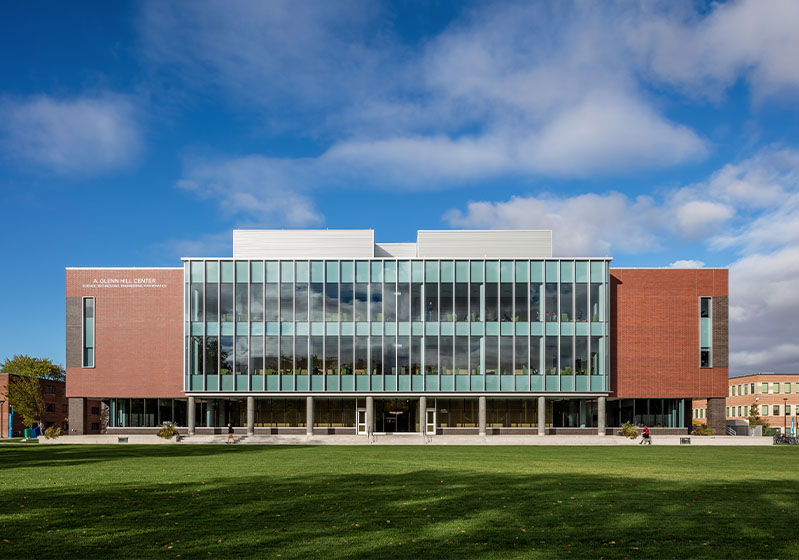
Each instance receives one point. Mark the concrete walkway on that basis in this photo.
(411, 439)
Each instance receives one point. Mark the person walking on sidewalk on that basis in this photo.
(230, 438)
(646, 437)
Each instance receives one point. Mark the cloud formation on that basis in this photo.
(76, 136)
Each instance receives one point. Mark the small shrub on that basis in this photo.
(628, 430)
(703, 430)
(167, 431)
(53, 432)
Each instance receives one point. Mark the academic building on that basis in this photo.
(461, 332)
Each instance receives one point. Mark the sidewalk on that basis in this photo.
(409, 439)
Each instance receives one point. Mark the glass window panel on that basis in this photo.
(226, 302)
(286, 301)
(270, 355)
(226, 268)
(211, 355)
(446, 355)
(506, 302)
(446, 296)
(196, 355)
(302, 271)
(376, 308)
(316, 294)
(506, 355)
(377, 271)
(316, 355)
(389, 271)
(212, 271)
(196, 271)
(431, 271)
(346, 301)
(461, 302)
(551, 301)
(196, 302)
(287, 271)
(520, 359)
(491, 302)
(256, 302)
(272, 299)
(389, 302)
(417, 271)
(257, 272)
(581, 272)
(361, 301)
(492, 271)
(536, 271)
(597, 356)
(461, 271)
(566, 305)
(597, 302)
(403, 302)
(431, 299)
(241, 272)
(597, 271)
(506, 271)
(376, 355)
(242, 301)
(476, 271)
(416, 302)
(242, 355)
(286, 355)
(474, 303)
(390, 355)
(431, 355)
(551, 271)
(301, 355)
(491, 355)
(522, 271)
(362, 271)
(535, 302)
(462, 354)
(317, 271)
(346, 355)
(566, 271)
(331, 270)
(581, 355)
(416, 355)
(447, 271)
(301, 301)
(331, 301)
(225, 355)
(520, 305)
(551, 355)
(404, 271)
(361, 355)
(272, 272)
(474, 355)
(257, 355)
(403, 355)
(581, 302)
(347, 272)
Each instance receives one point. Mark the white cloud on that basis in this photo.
(687, 263)
(265, 191)
(82, 135)
(698, 218)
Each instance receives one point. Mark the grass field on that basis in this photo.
(398, 502)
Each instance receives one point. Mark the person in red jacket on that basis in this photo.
(646, 438)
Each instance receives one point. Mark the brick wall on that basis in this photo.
(138, 333)
(654, 346)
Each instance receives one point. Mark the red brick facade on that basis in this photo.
(138, 332)
(654, 322)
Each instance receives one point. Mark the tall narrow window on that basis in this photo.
(88, 332)
(705, 332)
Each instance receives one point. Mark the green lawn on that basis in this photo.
(398, 502)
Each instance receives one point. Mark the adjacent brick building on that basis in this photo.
(461, 332)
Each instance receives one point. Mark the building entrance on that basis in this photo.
(396, 415)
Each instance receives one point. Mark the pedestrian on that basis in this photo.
(646, 437)
(230, 434)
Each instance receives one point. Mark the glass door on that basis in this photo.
(430, 422)
(361, 421)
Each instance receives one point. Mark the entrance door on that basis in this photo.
(361, 421)
(430, 422)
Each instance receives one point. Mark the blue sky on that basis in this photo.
(666, 134)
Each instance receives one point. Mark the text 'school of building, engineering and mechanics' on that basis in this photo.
(462, 332)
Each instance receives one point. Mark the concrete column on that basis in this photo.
(422, 414)
(370, 415)
(600, 416)
(481, 415)
(250, 416)
(308, 416)
(542, 416)
(192, 416)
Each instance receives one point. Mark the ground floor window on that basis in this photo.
(146, 413)
(658, 413)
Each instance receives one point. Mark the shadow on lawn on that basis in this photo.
(443, 513)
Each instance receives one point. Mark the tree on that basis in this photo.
(24, 394)
(29, 366)
(754, 415)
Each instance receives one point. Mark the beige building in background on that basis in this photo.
(776, 394)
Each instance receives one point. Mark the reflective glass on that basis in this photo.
(226, 355)
(446, 355)
(242, 355)
(491, 355)
(506, 355)
(301, 355)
